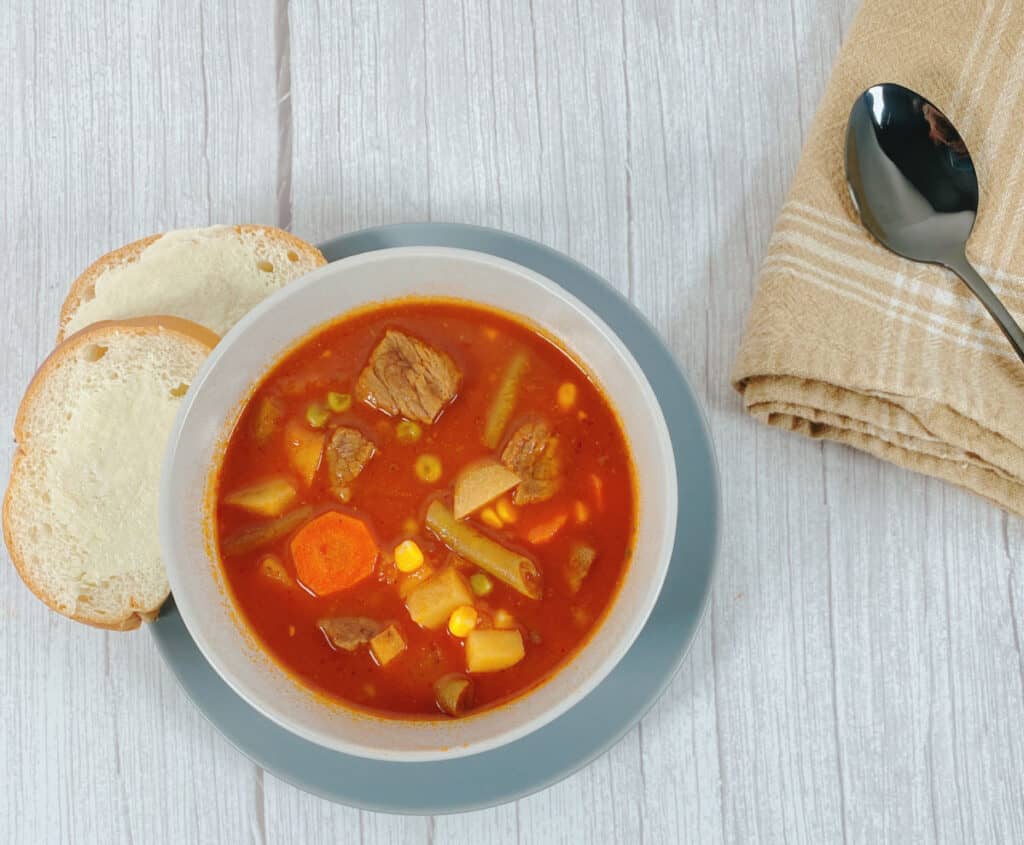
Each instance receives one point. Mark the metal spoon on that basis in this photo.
(914, 184)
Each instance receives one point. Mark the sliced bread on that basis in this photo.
(210, 276)
(80, 514)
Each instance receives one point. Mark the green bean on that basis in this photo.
(516, 570)
(504, 400)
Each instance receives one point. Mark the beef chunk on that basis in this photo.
(407, 378)
(349, 632)
(347, 453)
(533, 454)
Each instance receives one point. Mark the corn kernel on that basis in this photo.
(580, 512)
(428, 468)
(566, 395)
(316, 415)
(506, 511)
(408, 431)
(339, 402)
(462, 621)
(489, 517)
(408, 556)
(480, 584)
(504, 619)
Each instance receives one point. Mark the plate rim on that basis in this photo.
(432, 234)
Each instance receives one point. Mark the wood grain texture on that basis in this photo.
(860, 678)
(119, 122)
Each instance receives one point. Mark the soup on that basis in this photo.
(424, 509)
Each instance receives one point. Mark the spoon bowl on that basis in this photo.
(913, 182)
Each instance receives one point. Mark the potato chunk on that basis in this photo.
(433, 601)
(305, 449)
(481, 483)
(268, 498)
(387, 645)
(491, 650)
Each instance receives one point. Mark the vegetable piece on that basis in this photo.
(580, 560)
(506, 512)
(566, 395)
(491, 650)
(408, 431)
(317, 415)
(266, 532)
(349, 632)
(517, 571)
(580, 512)
(433, 601)
(428, 468)
(504, 402)
(272, 568)
(268, 498)
(462, 621)
(387, 645)
(480, 483)
(411, 581)
(480, 584)
(408, 556)
(268, 418)
(343, 493)
(339, 402)
(488, 516)
(545, 532)
(504, 619)
(305, 449)
(333, 552)
(454, 694)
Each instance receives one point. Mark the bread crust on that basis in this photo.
(84, 287)
(95, 333)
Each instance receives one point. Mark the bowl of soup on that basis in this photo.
(417, 504)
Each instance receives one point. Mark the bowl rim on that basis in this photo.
(664, 542)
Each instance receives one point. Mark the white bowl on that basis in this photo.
(228, 377)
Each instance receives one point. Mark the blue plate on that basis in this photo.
(600, 719)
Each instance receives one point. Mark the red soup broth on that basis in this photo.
(595, 505)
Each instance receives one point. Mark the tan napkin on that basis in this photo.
(849, 342)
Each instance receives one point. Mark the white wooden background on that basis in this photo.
(860, 677)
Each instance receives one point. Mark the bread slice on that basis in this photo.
(211, 276)
(80, 514)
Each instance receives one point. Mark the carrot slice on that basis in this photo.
(333, 552)
(544, 532)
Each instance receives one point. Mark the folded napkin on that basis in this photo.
(847, 341)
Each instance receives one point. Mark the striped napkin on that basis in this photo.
(845, 340)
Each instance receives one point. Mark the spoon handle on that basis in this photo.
(979, 287)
